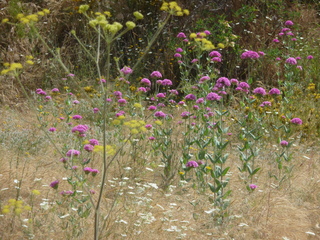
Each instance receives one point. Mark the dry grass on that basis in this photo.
(143, 211)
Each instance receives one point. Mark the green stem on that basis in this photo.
(155, 36)
(56, 55)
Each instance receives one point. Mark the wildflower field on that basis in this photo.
(160, 120)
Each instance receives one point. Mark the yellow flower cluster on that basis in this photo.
(174, 9)
(136, 126)
(32, 17)
(110, 150)
(101, 20)
(311, 87)
(10, 67)
(15, 206)
(118, 121)
(137, 105)
(138, 15)
(204, 43)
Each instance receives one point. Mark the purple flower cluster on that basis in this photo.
(77, 117)
(291, 61)
(215, 54)
(274, 91)
(223, 82)
(55, 184)
(297, 121)
(259, 91)
(93, 142)
(39, 91)
(156, 74)
(73, 153)
(250, 54)
(284, 143)
(243, 87)
(146, 82)
(88, 147)
(126, 70)
(192, 164)
(88, 170)
(213, 96)
(185, 115)
(165, 82)
(67, 193)
(80, 129)
(190, 97)
(265, 103)
(160, 114)
(181, 35)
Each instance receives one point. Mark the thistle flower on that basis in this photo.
(215, 54)
(166, 82)
(73, 152)
(259, 91)
(190, 97)
(87, 170)
(142, 89)
(156, 74)
(148, 126)
(224, 81)
(174, 91)
(152, 108)
(146, 81)
(284, 143)
(55, 184)
(250, 54)
(288, 23)
(93, 142)
(204, 78)
(200, 100)
(94, 172)
(55, 90)
(77, 117)
(122, 101)
(181, 35)
(291, 61)
(216, 59)
(161, 95)
(88, 147)
(253, 186)
(192, 164)
(234, 81)
(81, 129)
(185, 115)
(297, 121)
(274, 91)
(52, 129)
(213, 97)
(126, 70)
(117, 94)
(160, 114)
(265, 103)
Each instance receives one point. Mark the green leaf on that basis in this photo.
(225, 171)
(255, 171)
(201, 154)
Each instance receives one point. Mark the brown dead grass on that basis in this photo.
(268, 213)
